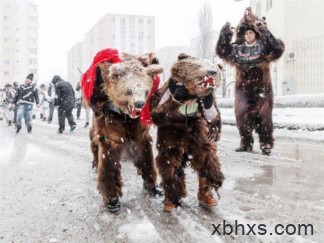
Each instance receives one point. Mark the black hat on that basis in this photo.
(245, 27)
(30, 76)
(56, 78)
(42, 86)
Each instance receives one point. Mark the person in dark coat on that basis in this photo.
(51, 94)
(65, 100)
(27, 94)
(16, 87)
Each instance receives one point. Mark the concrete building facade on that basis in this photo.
(298, 24)
(127, 33)
(18, 40)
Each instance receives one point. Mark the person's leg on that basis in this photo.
(61, 119)
(51, 111)
(20, 114)
(78, 110)
(70, 119)
(28, 117)
(87, 112)
(15, 116)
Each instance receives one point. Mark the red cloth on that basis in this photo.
(89, 77)
(145, 115)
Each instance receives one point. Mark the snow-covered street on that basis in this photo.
(48, 192)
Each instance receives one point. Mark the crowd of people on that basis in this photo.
(17, 103)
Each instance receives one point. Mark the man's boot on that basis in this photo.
(9, 123)
(205, 195)
(18, 128)
(168, 206)
(266, 149)
(244, 148)
(113, 205)
(155, 190)
(29, 129)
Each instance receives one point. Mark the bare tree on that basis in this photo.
(205, 28)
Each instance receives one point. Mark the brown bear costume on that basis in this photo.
(120, 90)
(253, 87)
(188, 123)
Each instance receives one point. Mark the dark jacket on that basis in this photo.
(245, 54)
(65, 96)
(27, 94)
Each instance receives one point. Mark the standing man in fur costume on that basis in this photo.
(252, 54)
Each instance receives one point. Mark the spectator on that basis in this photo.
(51, 95)
(44, 101)
(9, 102)
(81, 102)
(65, 100)
(27, 94)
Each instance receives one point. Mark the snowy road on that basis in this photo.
(48, 193)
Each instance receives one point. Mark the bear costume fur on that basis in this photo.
(187, 131)
(120, 92)
(253, 87)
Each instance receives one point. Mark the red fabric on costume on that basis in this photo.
(145, 115)
(89, 77)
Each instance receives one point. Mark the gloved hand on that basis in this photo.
(181, 94)
(208, 101)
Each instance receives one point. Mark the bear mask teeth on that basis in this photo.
(207, 82)
(134, 112)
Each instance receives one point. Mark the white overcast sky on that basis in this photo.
(62, 23)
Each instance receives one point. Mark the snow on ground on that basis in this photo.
(293, 101)
(311, 119)
(48, 191)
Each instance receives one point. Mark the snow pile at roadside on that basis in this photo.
(311, 119)
(292, 101)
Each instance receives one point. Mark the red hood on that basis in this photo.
(89, 77)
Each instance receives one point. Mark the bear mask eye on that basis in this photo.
(129, 92)
(147, 92)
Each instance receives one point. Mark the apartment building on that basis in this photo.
(298, 24)
(127, 33)
(18, 40)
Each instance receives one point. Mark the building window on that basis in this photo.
(149, 21)
(6, 73)
(6, 62)
(140, 21)
(5, 39)
(32, 61)
(5, 18)
(113, 20)
(33, 51)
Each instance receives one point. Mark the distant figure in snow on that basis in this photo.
(65, 100)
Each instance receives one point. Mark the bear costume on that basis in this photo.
(188, 125)
(253, 87)
(117, 87)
